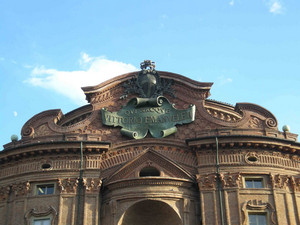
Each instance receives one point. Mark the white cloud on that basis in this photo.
(222, 80)
(15, 113)
(275, 7)
(231, 2)
(69, 83)
(85, 59)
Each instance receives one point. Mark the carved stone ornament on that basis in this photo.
(41, 212)
(231, 180)
(148, 83)
(284, 181)
(4, 192)
(207, 181)
(151, 111)
(156, 115)
(20, 189)
(92, 184)
(68, 185)
(258, 206)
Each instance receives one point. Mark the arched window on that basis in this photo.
(149, 171)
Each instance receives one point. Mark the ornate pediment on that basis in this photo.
(150, 158)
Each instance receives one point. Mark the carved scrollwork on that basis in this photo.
(41, 212)
(258, 206)
(28, 131)
(271, 123)
(255, 122)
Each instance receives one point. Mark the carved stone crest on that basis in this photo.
(151, 111)
(148, 83)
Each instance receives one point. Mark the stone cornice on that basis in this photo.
(153, 181)
(245, 141)
(46, 148)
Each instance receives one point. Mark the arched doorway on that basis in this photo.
(150, 212)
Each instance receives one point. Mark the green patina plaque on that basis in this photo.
(156, 115)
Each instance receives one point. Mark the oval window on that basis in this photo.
(46, 166)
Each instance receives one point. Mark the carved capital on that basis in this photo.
(92, 184)
(4, 192)
(207, 181)
(68, 185)
(295, 183)
(284, 181)
(230, 180)
(20, 189)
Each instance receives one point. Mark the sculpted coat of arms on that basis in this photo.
(151, 111)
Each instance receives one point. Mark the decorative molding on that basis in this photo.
(258, 206)
(156, 181)
(41, 212)
(251, 158)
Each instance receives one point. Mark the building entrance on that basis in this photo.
(150, 212)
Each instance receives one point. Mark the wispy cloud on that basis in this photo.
(275, 7)
(15, 113)
(231, 2)
(222, 80)
(69, 83)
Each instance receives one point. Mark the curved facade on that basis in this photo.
(150, 148)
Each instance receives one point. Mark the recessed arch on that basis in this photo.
(149, 212)
(149, 171)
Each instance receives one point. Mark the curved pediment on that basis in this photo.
(186, 98)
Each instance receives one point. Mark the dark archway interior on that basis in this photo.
(149, 171)
(151, 212)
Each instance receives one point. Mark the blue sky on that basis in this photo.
(49, 49)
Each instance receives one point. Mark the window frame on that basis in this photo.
(253, 178)
(36, 219)
(258, 212)
(37, 186)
